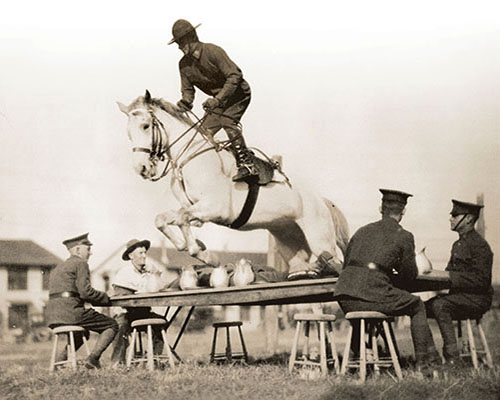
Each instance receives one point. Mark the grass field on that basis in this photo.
(24, 375)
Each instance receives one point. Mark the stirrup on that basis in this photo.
(246, 173)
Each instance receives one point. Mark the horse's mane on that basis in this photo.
(164, 105)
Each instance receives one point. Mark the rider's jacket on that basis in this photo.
(209, 68)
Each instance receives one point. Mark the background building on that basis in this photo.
(24, 286)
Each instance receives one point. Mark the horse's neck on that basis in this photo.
(184, 141)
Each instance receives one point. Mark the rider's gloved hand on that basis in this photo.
(183, 106)
(211, 103)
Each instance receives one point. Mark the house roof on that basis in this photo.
(25, 252)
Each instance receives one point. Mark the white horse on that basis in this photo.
(303, 224)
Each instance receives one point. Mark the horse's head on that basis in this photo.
(140, 133)
(152, 125)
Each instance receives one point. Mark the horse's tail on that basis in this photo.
(341, 226)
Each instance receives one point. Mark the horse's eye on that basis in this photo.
(145, 127)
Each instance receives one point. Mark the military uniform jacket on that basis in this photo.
(71, 275)
(210, 69)
(374, 253)
(470, 268)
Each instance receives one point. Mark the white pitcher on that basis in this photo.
(219, 277)
(424, 265)
(243, 273)
(189, 278)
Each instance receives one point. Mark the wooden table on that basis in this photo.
(260, 294)
(263, 294)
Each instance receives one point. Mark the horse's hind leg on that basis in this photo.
(317, 225)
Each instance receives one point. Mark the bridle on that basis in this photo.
(161, 150)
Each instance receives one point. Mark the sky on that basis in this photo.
(355, 96)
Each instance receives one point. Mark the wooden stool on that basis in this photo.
(228, 355)
(321, 321)
(374, 324)
(467, 346)
(69, 332)
(147, 355)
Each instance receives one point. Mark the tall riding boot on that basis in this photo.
(247, 171)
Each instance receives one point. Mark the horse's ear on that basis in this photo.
(123, 108)
(147, 96)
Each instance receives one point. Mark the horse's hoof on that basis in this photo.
(294, 276)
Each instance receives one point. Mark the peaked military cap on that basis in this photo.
(462, 207)
(395, 195)
(181, 28)
(132, 245)
(82, 239)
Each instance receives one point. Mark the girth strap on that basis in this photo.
(248, 207)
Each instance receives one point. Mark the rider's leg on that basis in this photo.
(244, 158)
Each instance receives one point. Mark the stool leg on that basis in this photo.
(462, 344)
(72, 352)
(333, 348)
(293, 354)
(345, 359)
(322, 348)
(85, 343)
(489, 359)
(150, 355)
(394, 341)
(229, 354)
(131, 348)
(362, 351)
(373, 333)
(245, 354)
(394, 356)
(54, 352)
(472, 345)
(214, 341)
(167, 348)
(305, 348)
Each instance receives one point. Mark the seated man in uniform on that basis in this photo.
(69, 289)
(368, 281)
(470, 267)
(136, 277)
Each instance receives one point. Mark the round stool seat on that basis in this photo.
(147, 321)
(225, 324)
(68, 328)
(367, 315)
(314, 317)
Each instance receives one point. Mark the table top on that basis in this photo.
(288, 292)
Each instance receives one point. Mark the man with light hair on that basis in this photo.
(69, 289)
(135, 277)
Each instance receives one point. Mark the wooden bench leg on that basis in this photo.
(214, 342)
(72, 351)
(472, 345)
(489, 359)
(362, 351)
(392, 350)
(373, 333)
(322, 348)
(333, 348)
(293, 355)
(347, 349)
(243, 347)
(131, 348)
(54, 353)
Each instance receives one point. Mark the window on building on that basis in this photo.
(45, 278)
(18, 316)
(18, 278)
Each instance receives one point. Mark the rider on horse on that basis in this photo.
(208, 67)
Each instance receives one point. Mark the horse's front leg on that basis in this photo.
(196, 248)
(163, 222)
